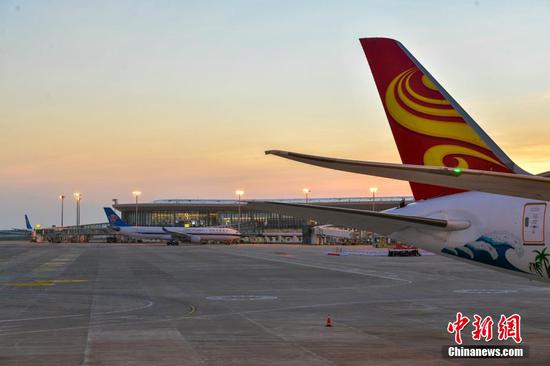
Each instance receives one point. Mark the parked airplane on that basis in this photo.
(28, 227)
(173, 235)
(473, 203)
(18, 232)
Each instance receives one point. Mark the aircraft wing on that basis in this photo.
(177, 234)
(380, 222)
(525, 186)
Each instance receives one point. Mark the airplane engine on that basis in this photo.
(195, 239)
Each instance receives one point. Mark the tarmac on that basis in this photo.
(146, 304)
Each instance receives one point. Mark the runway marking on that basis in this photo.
(187, 315)
(317, 357)
(58, 262)
(193, 309)
(241, 298)
(148, 304)
(352, 271)
(40, 283)
(485, 291)
(301, 307)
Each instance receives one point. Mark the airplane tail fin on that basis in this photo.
(114, 219)
(428, 125)
(28, 223)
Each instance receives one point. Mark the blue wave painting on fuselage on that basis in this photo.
(475, 251)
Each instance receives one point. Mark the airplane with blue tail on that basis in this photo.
(173, 235)
(18, 233)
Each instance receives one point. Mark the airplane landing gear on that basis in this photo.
(172, 242)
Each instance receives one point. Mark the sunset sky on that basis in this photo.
(179, 99)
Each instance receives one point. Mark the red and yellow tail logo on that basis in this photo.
(426, 127)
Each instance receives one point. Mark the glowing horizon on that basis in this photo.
(181, 100)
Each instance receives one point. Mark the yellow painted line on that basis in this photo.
(40, 283)
(192, 311)
(29, 284)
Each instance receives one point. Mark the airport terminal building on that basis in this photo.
(255, 226)
(191, 213)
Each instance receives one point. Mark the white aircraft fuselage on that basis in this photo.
(193, 234)
(504, 232)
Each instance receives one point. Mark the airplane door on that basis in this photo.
(534, 215)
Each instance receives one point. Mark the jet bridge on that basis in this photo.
(75, 234)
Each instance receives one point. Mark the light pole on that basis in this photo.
(307, 191)
(373, 190)
(136, 194)
(77, 197)
(62, 198)
(239, 193)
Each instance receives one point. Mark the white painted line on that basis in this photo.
(353, 271)
(241, 298)
(148, 304)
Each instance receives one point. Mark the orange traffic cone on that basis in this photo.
(328, 323)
